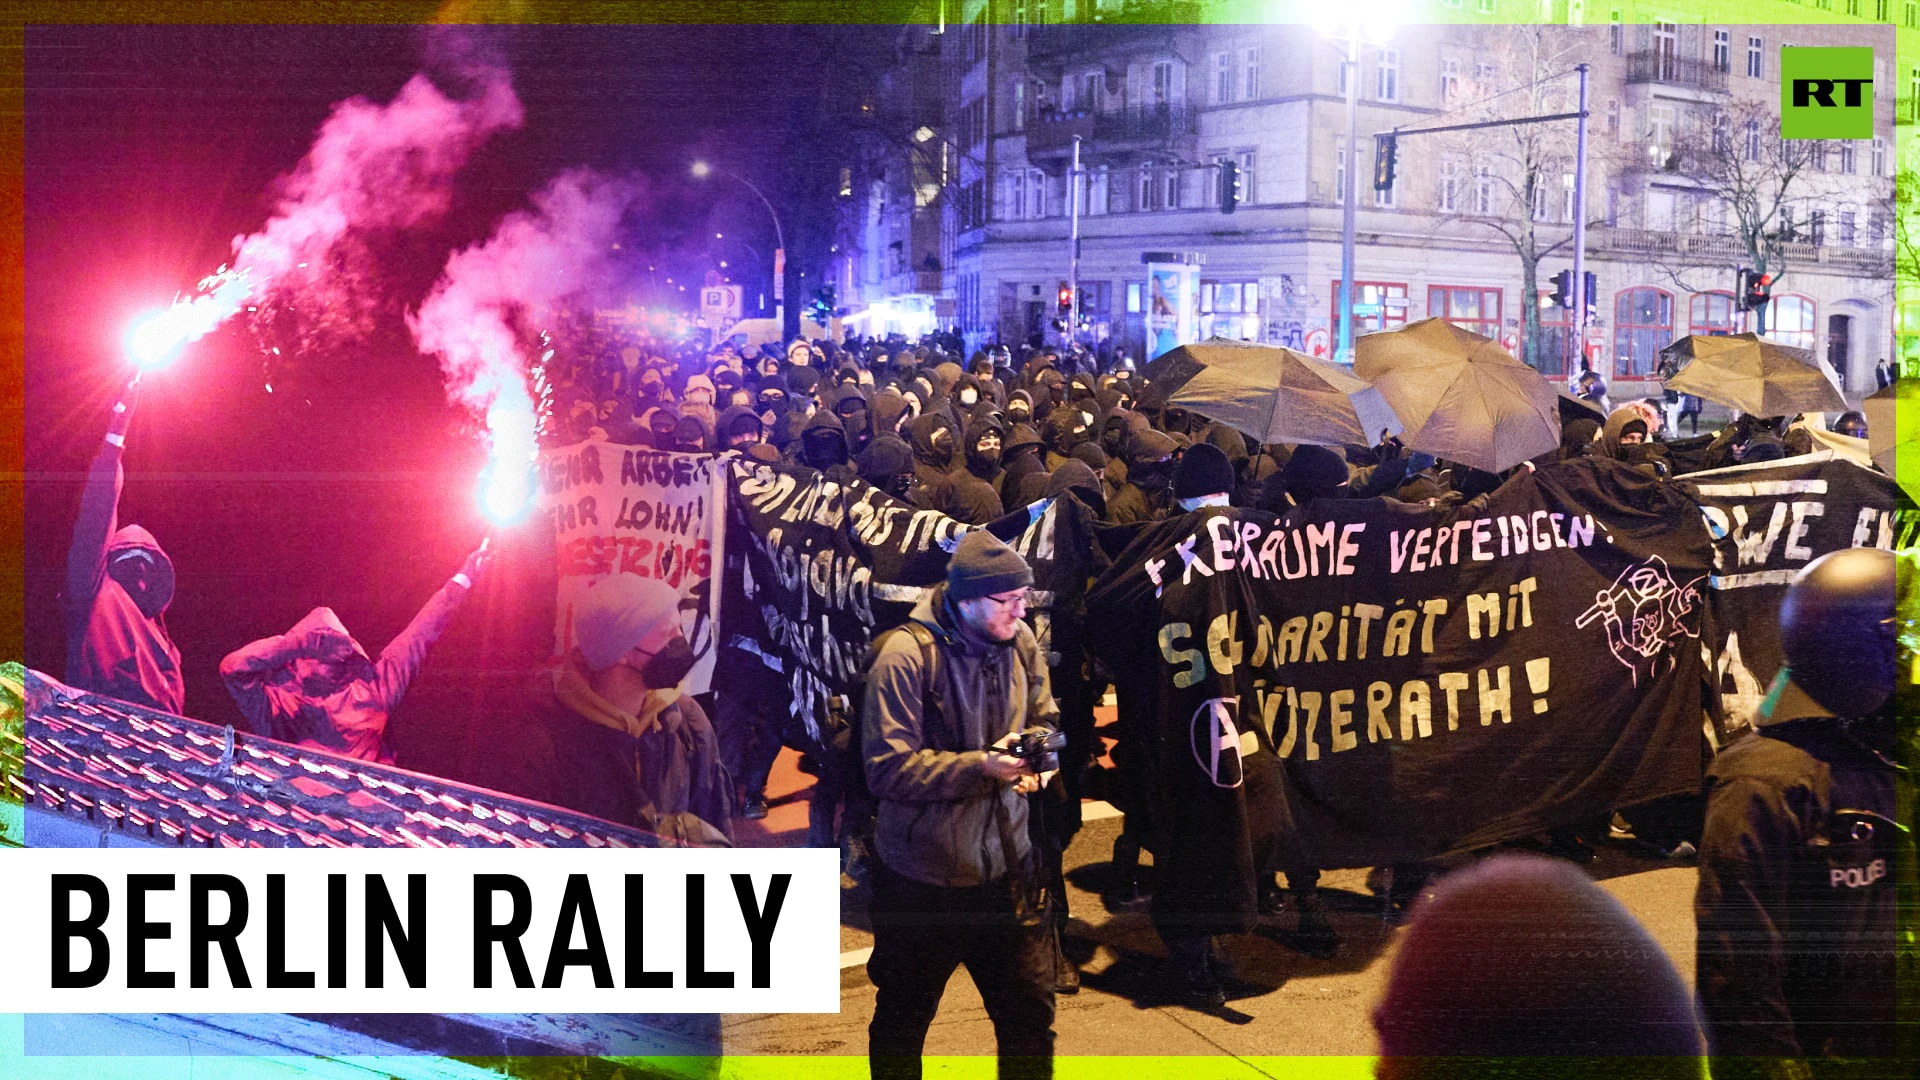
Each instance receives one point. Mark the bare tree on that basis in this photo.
(1509, 180)
(1759, 178)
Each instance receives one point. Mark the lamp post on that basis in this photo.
(1375, 20)
(701, 170)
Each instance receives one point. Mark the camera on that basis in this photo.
(1038, 748)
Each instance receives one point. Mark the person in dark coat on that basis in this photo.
(934, 447)
(119, 585)
(970, 494)
(738, 427)
(823, 446)
(315, 685)
(1797, 940)
(887, 463)
(1021, 457)
(1147, 494)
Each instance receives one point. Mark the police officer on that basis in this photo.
(1804, 833)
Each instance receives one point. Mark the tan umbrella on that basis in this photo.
(1460, 396)
(1170, 370)
(1750, 373)
(1893, 420)
(1280, 396)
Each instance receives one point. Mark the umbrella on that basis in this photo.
(1278, 395)
(1460, 396)
(1171, 369)
(1749, 373)
(1578, 408)
(1893, 419)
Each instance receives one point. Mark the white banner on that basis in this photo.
(618, 509)
(422, 931)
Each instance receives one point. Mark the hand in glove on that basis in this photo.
(476, 563)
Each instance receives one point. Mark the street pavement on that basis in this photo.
(1283, 1003)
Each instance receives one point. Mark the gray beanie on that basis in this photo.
(984, 565)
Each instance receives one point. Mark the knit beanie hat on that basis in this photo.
(613, 615)
(1203, 470)
(984, 565)
(1313, 471)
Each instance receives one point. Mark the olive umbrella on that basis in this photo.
(1278, 395)
(1170, 370)
(1460, 396)
(1750, 373)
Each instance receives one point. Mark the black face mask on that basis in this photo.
(669, 665)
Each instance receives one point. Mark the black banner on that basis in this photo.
(826, 566)
(1366, 682)
(1768, 520)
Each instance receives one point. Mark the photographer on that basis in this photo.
(956, 731)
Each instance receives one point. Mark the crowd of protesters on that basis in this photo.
(976, 437)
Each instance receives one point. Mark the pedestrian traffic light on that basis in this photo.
(1759, 290)
(1066, 298)
(1229, 186)
(1385, 151)
(1562, 289)
(1741, 278)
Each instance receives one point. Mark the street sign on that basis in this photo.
(719, 302)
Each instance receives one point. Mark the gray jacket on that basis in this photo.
(938, 823)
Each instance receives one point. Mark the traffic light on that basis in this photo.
(1592, 290)
(1066, 298)
(1756, 291)
(1385, 151)
(1229, 186)
(1562, 289)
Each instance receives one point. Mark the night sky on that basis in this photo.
(149, 148)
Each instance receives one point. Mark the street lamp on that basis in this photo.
(1376, 21)
(701, 170)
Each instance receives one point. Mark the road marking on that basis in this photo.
(1097, 810)
(855, 958)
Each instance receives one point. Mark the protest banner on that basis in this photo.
(825, 566)
(1365, 682)
(1768, 520)
(632, 510)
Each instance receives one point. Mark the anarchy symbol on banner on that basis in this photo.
(1219, 744)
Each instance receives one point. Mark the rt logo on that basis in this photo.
(1826, 93)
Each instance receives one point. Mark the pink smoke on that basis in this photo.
(492, 298)
(372, 168)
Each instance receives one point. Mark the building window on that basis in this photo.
(1483, 189)
(1150, 189)
(1389, 198)
(1642, 326)
(1753, 140)
(1170, 180)
(1449, 79)
(1247, 192)
(1817, 228)
(1339, 174)
(1483, 73)
(1020, 104)
(1817, 155)
(1790, 321)
(1616, 34)
(1036, 194)
(1879, 158)
(1613, 117)
(1880, 10)
(1449, 199)
(1472, 309)
(1849, 157)
(1163, 84)
(1485, 7)
(1666, 49)
(1567, 209)
(1853, 8)
(1542, 199)
(1660, 127)
(1722, 139)
(1876, 228)
(1913, 94)
(1844, 222)
(1913, 14)
(1133, 298)
(1755, 48)
(1377, 305)
(1555, 344)
(1389, 71)
(1722, 51)
(1712, 313)
(1222, 78)
(1250, 74)
(1093, 91)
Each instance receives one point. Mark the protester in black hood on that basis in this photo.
(851, 408)
(661, 422)
(1068, 426)
(1021, 458)
(888, 415)
(1313, 472)
(933, 442)
(1019, 407)
(1576, 437)
(1077, 477)
(690, 436)
(1625, 438)
(823, 446)
(1148, 491)
(887, 463)
(738, 427)
(967, 395)
(983, 448)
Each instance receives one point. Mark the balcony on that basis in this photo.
(1142, 20)
(1666, 69)
(1107, 136)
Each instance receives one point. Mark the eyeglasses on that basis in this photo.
(1024, 598)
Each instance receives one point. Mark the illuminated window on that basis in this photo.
(1642, 326)
(1790, 321)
